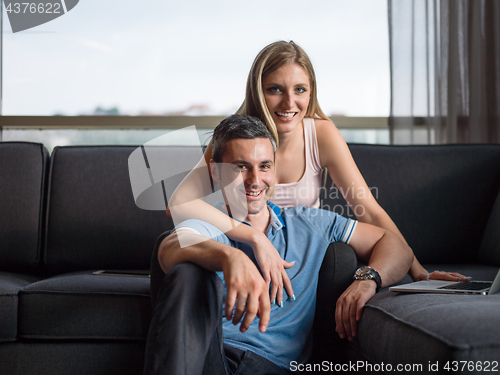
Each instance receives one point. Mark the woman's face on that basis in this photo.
(287, 95)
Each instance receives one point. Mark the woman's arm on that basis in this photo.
(187, 203)
(335, 155)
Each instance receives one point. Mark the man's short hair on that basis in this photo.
(235, 127)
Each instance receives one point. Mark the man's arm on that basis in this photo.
(385, 253)
(245, 286)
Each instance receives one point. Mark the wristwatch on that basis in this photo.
(368, 273)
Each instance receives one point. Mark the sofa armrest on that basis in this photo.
(336, 274)
(157, 273)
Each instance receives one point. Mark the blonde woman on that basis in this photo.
(281, 91)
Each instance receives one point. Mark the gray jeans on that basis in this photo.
(185, 336)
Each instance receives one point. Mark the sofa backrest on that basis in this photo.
(92, 219)
(440, 197)
(489, 252)
(23, 168)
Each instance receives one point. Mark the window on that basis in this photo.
(125, 57)
(166, 58)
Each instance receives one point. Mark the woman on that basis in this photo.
(281, 91)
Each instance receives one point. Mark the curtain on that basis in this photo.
(445, 71)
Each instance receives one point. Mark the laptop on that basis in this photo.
(461, 287)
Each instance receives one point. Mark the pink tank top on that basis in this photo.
(306, 191)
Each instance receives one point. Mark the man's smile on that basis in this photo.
(254, 194)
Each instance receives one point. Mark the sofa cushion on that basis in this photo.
(403, 328)
(48, 357)
(440, 197)
(10, 285)
(93, 222)
(23, 167)
(85, 306)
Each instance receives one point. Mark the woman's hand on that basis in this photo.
(442, 275)
(273, 269)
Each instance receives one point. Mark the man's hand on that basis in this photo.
(245, 286)
(350, 307)
(384, 252)
(273, 269)
(247, 290)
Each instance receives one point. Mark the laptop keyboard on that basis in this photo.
(472, 285)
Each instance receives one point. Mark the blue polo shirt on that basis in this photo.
(300, 234)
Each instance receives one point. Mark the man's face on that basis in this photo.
(247, 175)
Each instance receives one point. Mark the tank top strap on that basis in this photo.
(311, 144)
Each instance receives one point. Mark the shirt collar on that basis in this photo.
(276, 218)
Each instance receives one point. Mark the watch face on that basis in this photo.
(364, 272)
(368, 273)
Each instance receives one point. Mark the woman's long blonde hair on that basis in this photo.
(271, 58)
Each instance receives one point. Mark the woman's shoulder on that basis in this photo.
(331, 144)
(322, 124)
(326, 132)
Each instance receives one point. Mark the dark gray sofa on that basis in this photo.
(446, 202)
(61, 219)
(64, 216)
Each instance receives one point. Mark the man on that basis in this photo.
(188, 334)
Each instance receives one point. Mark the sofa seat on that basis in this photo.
(84, 306)
(70, 357)
(10, 285)
(423, 328)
